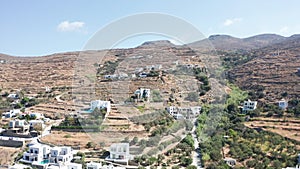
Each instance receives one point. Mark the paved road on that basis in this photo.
(196, 153)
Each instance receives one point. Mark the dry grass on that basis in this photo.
(80, 139)
(289, 128)
(7, 155)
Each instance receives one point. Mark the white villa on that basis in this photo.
(119, 152)
(184, 112)
(36, 153)
(60, 154)
(249, 105)
(13, 96)
(11, 113)
(44, 155)
(19, 126)
(100, 104)
(283, 104)
(142, 93)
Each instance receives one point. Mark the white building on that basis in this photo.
(283, 104)
(184, 112)
(92, 165)
(249, 105)
(13, 96)
(19, 126)
(74, 166)
(142, 93)
(61, 154)
(11, 113)
(44, 155)
(143, 74)
(119, 152)
(37, 153)
(100, 104)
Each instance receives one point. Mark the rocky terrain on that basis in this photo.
(274, 70)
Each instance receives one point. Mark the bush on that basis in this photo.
(193, 97)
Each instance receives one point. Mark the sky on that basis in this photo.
(35, 28)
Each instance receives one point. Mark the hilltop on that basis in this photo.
(227, 42)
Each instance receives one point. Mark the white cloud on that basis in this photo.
(229, 22)
(67, 26)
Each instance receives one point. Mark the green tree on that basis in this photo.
(191, 167)
(186, 161)
(151, 160)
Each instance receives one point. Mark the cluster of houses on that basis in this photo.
(46, 157)
(19, 127)
(252, 105)
(141, 94)
(139, 72)
(188, 113)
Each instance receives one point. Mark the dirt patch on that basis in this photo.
(7, 155)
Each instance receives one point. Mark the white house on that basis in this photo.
(44, 155)
(249, 105)
(19, 125)
(11, 113)
(37, 153)
(184, 112)
(61, 154)
(142, 93)
(119, 152)
(143, 74)
(92, 165)
(283, 104)
(13, 96)
(100, 104)
(74, 166)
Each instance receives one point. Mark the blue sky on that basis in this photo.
(33, 27)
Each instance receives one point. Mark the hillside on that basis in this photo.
(273, 70)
